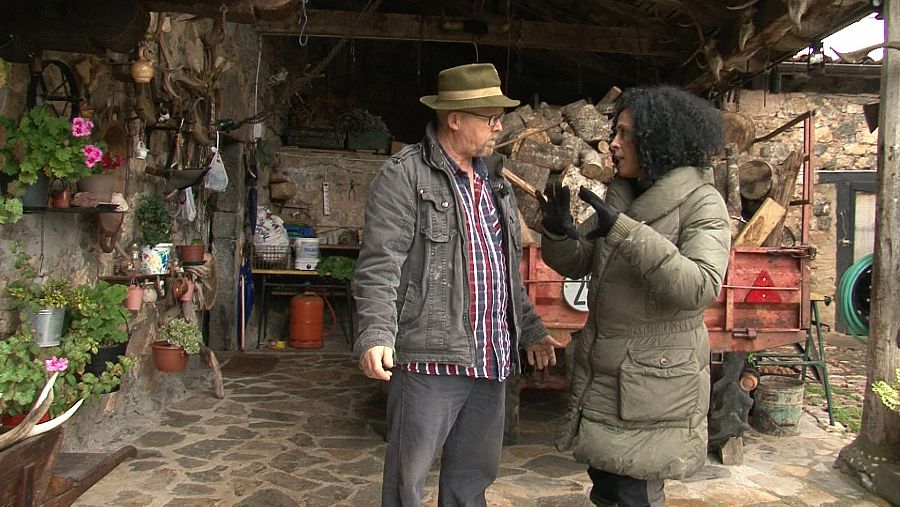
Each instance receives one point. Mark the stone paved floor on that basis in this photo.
(307, 434)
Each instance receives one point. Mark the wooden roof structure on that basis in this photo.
(705, 45)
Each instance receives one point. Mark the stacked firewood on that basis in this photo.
(757, 193)
(568, 143)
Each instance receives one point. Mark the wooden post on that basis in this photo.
(879, 437)
(880, 425)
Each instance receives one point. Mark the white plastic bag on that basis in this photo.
(216, 177)
(187, 211)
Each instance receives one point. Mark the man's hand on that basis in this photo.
(375, 361)
(541, 353)
(554, 203)
(606, 214)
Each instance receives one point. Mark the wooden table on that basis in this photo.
(296, 281)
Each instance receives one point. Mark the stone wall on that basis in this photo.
(843, 142)
(348, 175)
(66, 244)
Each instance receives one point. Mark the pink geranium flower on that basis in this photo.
(81, 127)
(92, 155)
(53, 364)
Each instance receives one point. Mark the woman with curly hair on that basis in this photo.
(656, 249)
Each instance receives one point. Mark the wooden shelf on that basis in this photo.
(349, 248)
(128, 278)
(100, 208)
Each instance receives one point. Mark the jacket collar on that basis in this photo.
(665, 195)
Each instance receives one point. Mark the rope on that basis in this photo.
(847, 298)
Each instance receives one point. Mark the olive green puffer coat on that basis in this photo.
(641, 383)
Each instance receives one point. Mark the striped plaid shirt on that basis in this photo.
(488, 295)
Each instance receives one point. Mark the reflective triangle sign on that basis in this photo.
(763, 295)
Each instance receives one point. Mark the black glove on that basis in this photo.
(606, 214)
(554, 204)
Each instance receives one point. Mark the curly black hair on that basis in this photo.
(672, 128)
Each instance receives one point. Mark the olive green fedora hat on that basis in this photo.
(468, 87)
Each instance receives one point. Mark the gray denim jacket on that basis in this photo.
(411, 283)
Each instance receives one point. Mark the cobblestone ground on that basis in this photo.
(308, 434)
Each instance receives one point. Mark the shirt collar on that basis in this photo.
(477, 163)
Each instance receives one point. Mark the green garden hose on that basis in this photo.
(853, 297)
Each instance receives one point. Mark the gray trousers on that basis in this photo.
(464, 416)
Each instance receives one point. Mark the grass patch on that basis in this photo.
(847, 405)
(851, 417)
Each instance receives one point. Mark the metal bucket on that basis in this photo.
(778, 404)
(47, 324)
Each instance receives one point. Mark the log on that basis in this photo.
(573, 179)
(574, 143)
(756, 179)
(189, 312)
(574, 106)
(596, 166)
(610, 96)
(719, 177)
(733, 189)
(587, 123)
(733, 183)
(739, 129)
(783, 191)
(768, 218)
(550, 156)
(526, 178)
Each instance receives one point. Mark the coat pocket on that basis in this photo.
(658, 384)
(436, 214)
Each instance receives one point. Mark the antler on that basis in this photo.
(29, 426)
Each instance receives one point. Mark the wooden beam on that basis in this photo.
(526, 34)
(634, 17)
(820, 20)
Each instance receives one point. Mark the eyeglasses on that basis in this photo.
(492, 120)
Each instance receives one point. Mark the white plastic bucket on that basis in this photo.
(306, 248)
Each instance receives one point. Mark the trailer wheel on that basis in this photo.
(729, 402)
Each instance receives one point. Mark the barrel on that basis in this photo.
(778, 403)
(307, 321)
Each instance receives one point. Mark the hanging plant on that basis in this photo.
(155, 220)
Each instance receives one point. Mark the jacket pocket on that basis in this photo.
(435, 213)
(412, 304)
(658, 384)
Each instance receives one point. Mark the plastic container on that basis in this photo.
(306, 253)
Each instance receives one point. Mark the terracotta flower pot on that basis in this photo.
(182, 289)
(62, 199)
(169, 358)
(11, 421)
(135, 298)
(190, 255)
(189, 292)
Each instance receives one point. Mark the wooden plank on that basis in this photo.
(25, 468)
(783, 192)
(766, 219)
(75, 473)
(539, 34)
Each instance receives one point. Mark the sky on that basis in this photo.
(865, 32)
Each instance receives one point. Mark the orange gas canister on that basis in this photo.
(307, 321)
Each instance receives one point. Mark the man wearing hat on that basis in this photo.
(441, 305)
